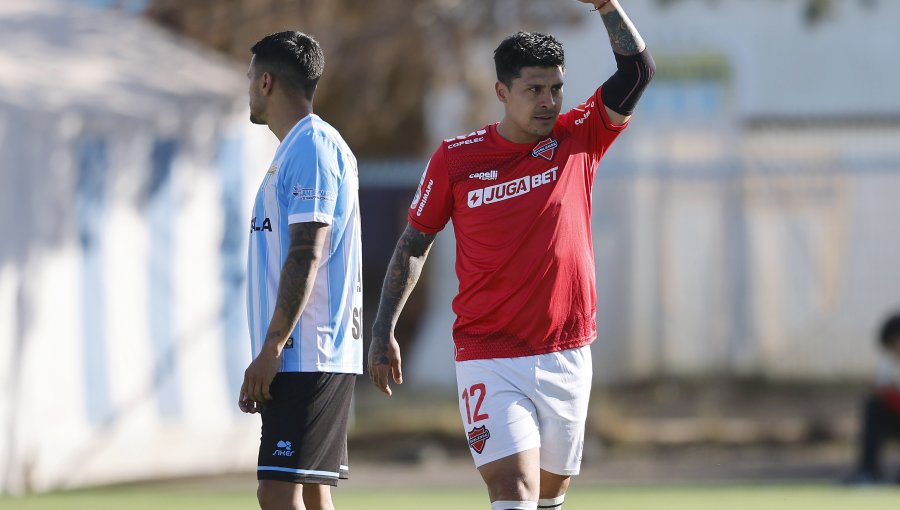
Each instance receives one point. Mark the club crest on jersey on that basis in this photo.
(477, 437)
(545, 149)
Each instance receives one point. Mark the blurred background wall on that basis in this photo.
(745, 224)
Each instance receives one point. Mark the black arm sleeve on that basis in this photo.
(623, 89)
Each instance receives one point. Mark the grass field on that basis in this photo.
(785, 497)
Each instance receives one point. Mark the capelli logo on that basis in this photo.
(490, 175)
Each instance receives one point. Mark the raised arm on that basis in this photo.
(294, 288)
(401, 277)
(635, 65)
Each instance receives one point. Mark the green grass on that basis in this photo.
(613, 498)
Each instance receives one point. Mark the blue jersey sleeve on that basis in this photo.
(310, 179)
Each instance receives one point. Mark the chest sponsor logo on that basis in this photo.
(490, 175)
(510, 189)
(545, 149)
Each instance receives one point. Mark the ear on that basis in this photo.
(502, 91)
(266, 83)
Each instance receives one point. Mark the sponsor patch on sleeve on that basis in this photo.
(301, 193)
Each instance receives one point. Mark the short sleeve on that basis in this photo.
(310, 177)
(432, 205)
(589, 123)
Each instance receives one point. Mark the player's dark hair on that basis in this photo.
(293, 58)
(890, 331)
(525, 49)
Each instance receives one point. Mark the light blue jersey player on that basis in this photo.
(313, 178)
(304, 283)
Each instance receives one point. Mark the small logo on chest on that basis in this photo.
(545, 149)
(490, 175)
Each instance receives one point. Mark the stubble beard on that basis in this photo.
(540, 131)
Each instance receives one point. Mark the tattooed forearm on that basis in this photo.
(624, 38)
(297, 276)
(402, 274)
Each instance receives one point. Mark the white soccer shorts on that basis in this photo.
(510, 405)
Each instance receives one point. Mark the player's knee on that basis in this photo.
(553, 485)
(511, 486)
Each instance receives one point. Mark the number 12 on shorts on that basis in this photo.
(470, 393)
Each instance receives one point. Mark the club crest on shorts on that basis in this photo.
(545, 149)
(477, 437)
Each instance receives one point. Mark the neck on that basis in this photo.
(511, 133)
(287, 116)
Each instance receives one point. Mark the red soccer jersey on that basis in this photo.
(522, 218)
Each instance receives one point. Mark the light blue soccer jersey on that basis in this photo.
(313, 178)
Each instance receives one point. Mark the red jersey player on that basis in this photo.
(519, 195)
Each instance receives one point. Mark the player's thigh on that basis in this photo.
(273, 494)
(317, 496)
(304, 428)
(498, 417)
(563, 391)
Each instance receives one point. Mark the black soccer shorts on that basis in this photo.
(304, 428)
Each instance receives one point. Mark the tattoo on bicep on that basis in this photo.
(307, 242)
(624, 38)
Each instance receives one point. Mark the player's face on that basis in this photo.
(532, 103)
(257, 99)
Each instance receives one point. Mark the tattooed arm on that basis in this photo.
(402, 275)
(294, 288)
(624, 38)
(635, 64)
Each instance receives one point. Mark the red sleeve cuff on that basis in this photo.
(423, 228)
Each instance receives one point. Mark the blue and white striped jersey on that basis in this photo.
(313, 178)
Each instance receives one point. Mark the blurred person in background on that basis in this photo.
(881, 411)
(304, 286)
(519, 195)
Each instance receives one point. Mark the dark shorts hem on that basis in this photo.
(279, 476)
